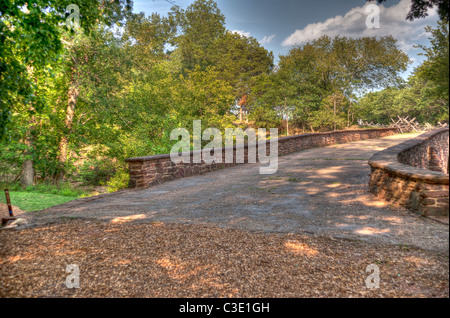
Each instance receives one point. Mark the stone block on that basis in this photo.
(435, 194)
(428, 202)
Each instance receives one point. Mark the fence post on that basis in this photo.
(8, 202)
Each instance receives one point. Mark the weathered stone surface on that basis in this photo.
(428, 202)
(436, 210)
(429, 151)
(436, 194)
(148, 171)
(402, 174)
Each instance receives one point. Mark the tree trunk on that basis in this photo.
(287, 118)
(27, 175)
(334, 118)
(68, 123)
(348, 114)
(287, 126)
(242, 103)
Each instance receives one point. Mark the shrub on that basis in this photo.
(96, 172)
(119, 181)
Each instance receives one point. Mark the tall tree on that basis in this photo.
(435, 68)
(336, 68)
(240, 60)
(30, 37)
(31, 42)
(204, 42)
(200, 25)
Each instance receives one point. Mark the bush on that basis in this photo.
(119, 181)
(265, 117)
(96, 172)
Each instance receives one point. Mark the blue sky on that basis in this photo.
(281, 24)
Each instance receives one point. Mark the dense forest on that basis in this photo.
(76, 102)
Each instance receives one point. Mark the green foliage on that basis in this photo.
(240, 60)
(77, 104)
(313, 72)
(203, 95)
(119, 181)
(30, 44)
(330, 115)
(96, 172)
(201, 24)
(436, 67)
(12, 153)
(426, 94)
(416, 99)
(265, 117)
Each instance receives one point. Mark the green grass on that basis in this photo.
(65, 189)
(34, 201)
(40, 196)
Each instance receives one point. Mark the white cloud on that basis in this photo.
(353, 24)
(267, 39)
(242, 33)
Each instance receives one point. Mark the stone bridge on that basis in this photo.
(319, 191)
(414, 173)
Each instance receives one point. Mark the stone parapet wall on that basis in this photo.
(428, 151)
(414, 174)
(148, 171)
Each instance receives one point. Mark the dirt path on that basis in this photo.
(319, 191)
(176, 260)
(4, 211)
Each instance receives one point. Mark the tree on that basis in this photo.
(202, 94)
(200, 25)
(337, 67)
(31, 32)
(95, 72)
(31, 44)
(146, 39)
(415, 99)
(204, 42)
(240, 60)
(273, 95)
(435, 68)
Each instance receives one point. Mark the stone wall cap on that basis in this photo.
(167, 156)
(388, 161)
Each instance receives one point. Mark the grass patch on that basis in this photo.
(41, 196)
(64, 189)
(33, 201)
